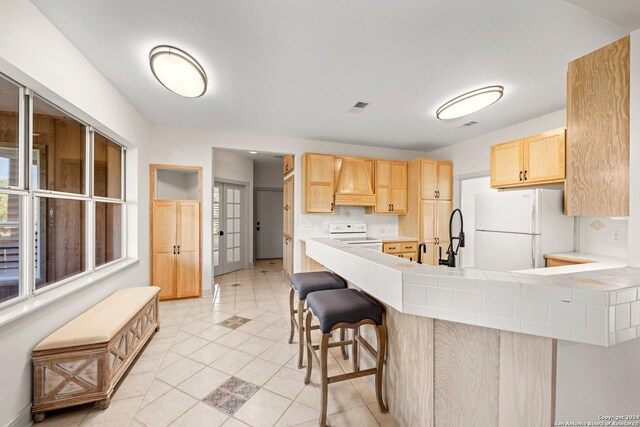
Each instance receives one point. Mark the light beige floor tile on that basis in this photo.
(181, 336)
(119, 413)
(147, 363)
(263, 409)
(134, 385)
(69, 417)
(165, 409)
(274, 333)
(195, 326)
(269, 317)
(233, 422)
(167, 331)
(170, 320)
(258, 371)
(233, 339)
(201, 415)
(365, 390)
(158, 345)
(179, 371)
(385, 420)
(253, 327)
(298, 414)
(280, 353)
(214, 317)
(360, 416)
(213, 332)
(309, 397)
(170, 358)
(209, 353)
(189, 345)
(286, 382)
(203, 382)
(156, 389)
(255, 345)
(232, 362)
(342, 396)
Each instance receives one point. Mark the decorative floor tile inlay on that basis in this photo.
(231, 395)
(234, 322)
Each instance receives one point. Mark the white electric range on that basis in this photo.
(355, 234)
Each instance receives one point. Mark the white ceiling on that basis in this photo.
(294, 67)
(625, 13)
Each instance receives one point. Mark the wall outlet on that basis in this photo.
(616, 236)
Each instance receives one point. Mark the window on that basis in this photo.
(108, 232)
(10, 227)
(56, 220)
(60, 142)
(59, 238)
(107, 167)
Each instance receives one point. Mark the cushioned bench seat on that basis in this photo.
(83, 360)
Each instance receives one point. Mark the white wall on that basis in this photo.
(192, 146)
(595, 235)
(267, 176)
(171, 184)
(34, 52)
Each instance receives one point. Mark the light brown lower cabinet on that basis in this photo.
(176, 248)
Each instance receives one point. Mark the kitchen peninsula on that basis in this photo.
(465, 342)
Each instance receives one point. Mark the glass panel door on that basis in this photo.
(228, 208)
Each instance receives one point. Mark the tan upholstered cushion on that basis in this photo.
(102, 321)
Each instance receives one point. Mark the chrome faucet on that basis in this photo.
(450, 261)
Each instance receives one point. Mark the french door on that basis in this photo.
(228, 236)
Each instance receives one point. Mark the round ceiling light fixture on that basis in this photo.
(178, 71)
(469, 102)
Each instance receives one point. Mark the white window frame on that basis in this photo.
(29, 265)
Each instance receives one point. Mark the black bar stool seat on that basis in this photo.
(343, 306)
(303, 285)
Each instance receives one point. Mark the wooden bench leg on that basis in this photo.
(291, 313)
(103, 404)
(38, 417)
(343, 348)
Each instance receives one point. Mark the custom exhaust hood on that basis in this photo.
(354, 183)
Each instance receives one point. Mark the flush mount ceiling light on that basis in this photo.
(178, 71)
(469, 102)
(253, 152)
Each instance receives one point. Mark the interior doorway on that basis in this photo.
(228, 246)
(268, 223)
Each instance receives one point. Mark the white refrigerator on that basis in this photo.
(515, 228)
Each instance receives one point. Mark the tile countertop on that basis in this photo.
(599, 307)
(599, 262)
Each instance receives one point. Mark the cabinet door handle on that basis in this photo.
(393, 207)
(174, 250)
(520, 178)
(178, 249)
(525, 175)
(389, 207)
(408, 247)
(331, 206)
(392, 248)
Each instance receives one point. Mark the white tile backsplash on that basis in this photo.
(598, 240)
(317, 225)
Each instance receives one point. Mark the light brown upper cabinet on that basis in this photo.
(287, 208)
(436, 179)
(391, 187)
(598, 132)
(318, 183)
(287, 164)
(538, 159)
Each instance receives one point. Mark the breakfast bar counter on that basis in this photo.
(476, 347)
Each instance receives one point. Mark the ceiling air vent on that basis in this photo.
(466, 125)
(359, 107)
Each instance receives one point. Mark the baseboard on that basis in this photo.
(207, 291)
(23, 419)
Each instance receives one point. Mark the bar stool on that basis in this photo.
(345, 308)
(303, 284)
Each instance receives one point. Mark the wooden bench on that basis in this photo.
(85, 359)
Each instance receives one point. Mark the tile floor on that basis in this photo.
(225, 361)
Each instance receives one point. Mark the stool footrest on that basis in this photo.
(351, 375)
(367, 347)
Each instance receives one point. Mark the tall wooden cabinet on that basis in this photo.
(429, 206)
(176, 248)
(391, 187)
(176, 231)
(598, 134)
